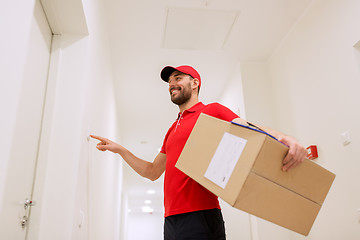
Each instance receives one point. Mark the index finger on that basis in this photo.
(98, 138)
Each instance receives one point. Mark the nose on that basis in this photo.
(171, 84)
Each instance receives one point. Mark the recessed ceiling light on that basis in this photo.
(147, 201)
(151, 191)
(147, 209)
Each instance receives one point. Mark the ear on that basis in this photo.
(196, 83)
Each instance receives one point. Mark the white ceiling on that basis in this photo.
(211, 35)
(197, 29)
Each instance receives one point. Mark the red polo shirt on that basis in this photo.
(181, 193)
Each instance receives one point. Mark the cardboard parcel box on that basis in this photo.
(243, 167)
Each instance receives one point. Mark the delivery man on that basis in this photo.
(191, 211)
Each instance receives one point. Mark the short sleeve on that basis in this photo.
(220, 111)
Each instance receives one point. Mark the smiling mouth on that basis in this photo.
(174, 89)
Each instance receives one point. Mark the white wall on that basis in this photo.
(258, 93)
(72, 175)
(232, 96)
(14, 47)
(87, 182)
(316, 96)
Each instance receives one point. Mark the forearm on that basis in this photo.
(268, 130)
(150, 170)
(272, 132)
(296, 153)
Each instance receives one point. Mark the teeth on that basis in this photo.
(174, 89)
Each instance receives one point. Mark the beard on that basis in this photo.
(183, 96)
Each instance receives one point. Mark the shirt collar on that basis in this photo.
(195, 108)
(198, 106)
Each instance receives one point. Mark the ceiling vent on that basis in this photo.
(198, 29)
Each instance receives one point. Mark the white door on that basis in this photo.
(26, 54)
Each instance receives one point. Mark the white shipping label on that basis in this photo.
(225, 158)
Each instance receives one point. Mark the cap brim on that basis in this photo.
(166, 72)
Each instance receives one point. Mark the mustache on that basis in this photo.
(175, 88)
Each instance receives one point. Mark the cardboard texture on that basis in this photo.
(256, 184)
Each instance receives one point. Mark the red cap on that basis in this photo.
(167, 71)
